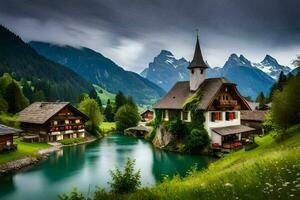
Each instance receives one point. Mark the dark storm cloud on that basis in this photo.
(255, 25)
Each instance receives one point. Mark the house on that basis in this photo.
(220, 102)
(7, 139)
(53, 121)
(254, 119)
(147, 115)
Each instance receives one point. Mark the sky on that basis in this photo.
(133, 32)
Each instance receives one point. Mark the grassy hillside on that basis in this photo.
(271, 171)
(104, 95)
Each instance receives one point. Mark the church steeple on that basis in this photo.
(197, 61)
(197, 68)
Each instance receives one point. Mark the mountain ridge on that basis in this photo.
(101, 70)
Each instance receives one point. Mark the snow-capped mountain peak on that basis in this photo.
(270, 66)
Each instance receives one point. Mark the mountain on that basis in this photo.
(102, 71)
(295, 71)
(270, 66)
(165, 70)
(250, 80)
(22, 61)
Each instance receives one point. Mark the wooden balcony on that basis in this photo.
(227, 103)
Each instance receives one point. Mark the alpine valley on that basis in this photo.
(101, 71)
(165, 70)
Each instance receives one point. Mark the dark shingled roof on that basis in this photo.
(41, 112)
(197, 61)
(257, 115)
(230, 130)
(4, 130)
(176, 97)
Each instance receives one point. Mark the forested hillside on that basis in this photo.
(56, 81)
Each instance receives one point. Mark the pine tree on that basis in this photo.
(93, 94)
(108, 112)
(15, 98)
(120, 100)
(27, 91)
(261, 100)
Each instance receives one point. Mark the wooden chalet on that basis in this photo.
(7, 139)
(53, 121)
(147, 115)
(254, 119)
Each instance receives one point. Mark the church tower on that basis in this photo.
(197, 68)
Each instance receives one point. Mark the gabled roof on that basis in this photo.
(257, 115)
(41, 112)
(4, 130)
(197, 61)
(176, 97)
(146, 111)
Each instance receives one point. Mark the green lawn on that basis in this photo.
(104, 95)
(24, 149)
(107, 127)
(270, 171)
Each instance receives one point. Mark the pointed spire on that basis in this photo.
(197, 61)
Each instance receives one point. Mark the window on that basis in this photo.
(67, 121)
(201, 71)
(192, 71)
(77, 121)
(215, 116)
(55, 122)
(230, 116)
(226, 97)
(185, 116)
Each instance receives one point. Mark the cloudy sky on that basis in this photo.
(132, 32)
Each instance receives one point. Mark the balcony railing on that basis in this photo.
(227, 103)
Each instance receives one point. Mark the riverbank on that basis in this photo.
(30, 154)
(270, 171)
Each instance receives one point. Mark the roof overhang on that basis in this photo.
(231, 130)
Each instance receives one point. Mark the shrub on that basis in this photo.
(126, 181)
(127, 116)
(69, 141)
(73, 195)
(197, 140)
(177, 127)
(91, 108)
(268, 124)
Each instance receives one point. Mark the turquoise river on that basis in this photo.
(86, 166)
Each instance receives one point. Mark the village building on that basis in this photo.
(7, 138)
(53, 121)
(220, 102)
(254, 119)
(147, 115)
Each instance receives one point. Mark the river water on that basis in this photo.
(86, 166)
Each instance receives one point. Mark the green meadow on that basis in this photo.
(270, 171)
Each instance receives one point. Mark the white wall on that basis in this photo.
(196, 78)
(216, 138)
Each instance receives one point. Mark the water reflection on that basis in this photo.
(86, 166)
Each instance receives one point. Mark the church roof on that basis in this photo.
(197, 61)
(176, 97)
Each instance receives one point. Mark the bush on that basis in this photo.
(267, 124)
(177, 127)
(127, 181)
(127, 116)
(197, 140)
(73, 195)
(69, 141)
(91, 108)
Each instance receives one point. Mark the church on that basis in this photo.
(220, 102)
